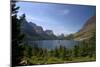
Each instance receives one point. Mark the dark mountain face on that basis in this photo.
(88, 28)
(28, 30)
(34, 32)
(61, 36)
(38, 29)
(49, 32)
(32, 24)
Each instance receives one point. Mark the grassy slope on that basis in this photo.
(55, 60)
(86, 31)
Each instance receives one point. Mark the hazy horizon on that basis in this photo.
(60, 18)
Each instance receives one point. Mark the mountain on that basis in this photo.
(28, 30)
(47, 34)
(35, 32)
(50, 34)
(38, 29)
(86, 31)
(61, 37)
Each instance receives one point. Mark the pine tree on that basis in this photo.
(76, 50)
(17, 37)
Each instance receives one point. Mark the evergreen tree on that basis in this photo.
(92, 45)
(17, 37)
(76, 50)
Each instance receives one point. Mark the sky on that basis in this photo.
(61, 18)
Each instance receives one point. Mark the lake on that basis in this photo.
(51, 44)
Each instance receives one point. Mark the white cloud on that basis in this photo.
(63, 12)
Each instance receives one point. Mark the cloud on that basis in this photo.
(65, 11)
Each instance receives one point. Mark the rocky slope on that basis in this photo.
(35, 32)
(86, 31)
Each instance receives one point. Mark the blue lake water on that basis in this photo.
(51, 44)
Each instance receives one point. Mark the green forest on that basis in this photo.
(23, 54)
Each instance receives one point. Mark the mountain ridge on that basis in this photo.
(86, 31)
(35, 32)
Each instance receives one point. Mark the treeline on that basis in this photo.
(23, 54)
(84, 51)
(16, 37)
